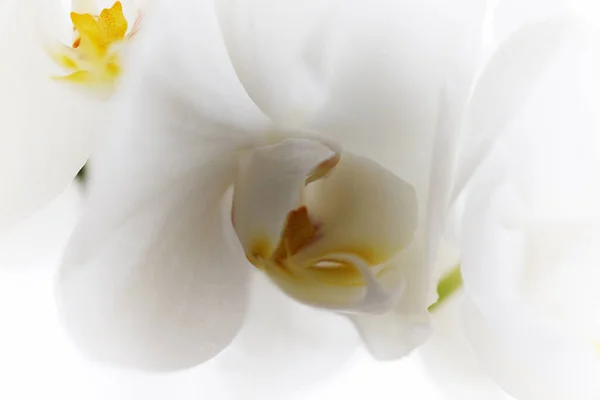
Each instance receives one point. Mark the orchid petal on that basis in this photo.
(203, 78)
(531, 231)
(291, 348)
(502, 87)
(512, 15)
(452, 102)
(280, 52)
(505, 328)
(533, 361)
(541, 178)
(47, 231)
(391, 59)
(155, 282)
(450, 360)
(153, 277)
(48, 127)
(392, 335)
(406, 326)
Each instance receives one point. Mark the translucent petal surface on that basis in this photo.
(204, 79)
(47, 126)
(530, 236)
(450, 360)
(502, 87)
(391, 59)
(392, 335)
(161, 287)
(46, 231)
(290, 348)
(511, 15)
(533, 362)
(152, 277)
(453, 101)
(281, 52)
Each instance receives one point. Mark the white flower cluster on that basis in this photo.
(424, 173)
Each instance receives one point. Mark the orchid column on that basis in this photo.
(529, 233)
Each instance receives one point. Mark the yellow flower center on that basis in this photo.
(92, 58)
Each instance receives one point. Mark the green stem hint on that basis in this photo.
(447, 286)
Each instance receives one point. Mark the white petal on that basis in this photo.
(391, 60)
(502, 87)
(522, 349)
(530, 238)
(555, 166)
(384, 105)
(290, 348)
(531, 362)
(153, 277)
(392, 335)
(396, 333)
(176, 111)
(280, 52)
(511, 15)
(541, 170)
(46, 231)
(505, 329)
(47, 126)
(450, 360)
(162, 288)
(453, 100)
(202, 81)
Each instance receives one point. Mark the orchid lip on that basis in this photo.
(313, 229)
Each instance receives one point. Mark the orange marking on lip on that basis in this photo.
(297, 233)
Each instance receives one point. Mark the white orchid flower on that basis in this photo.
(57, 66)
(527, 324)
(290, 137)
